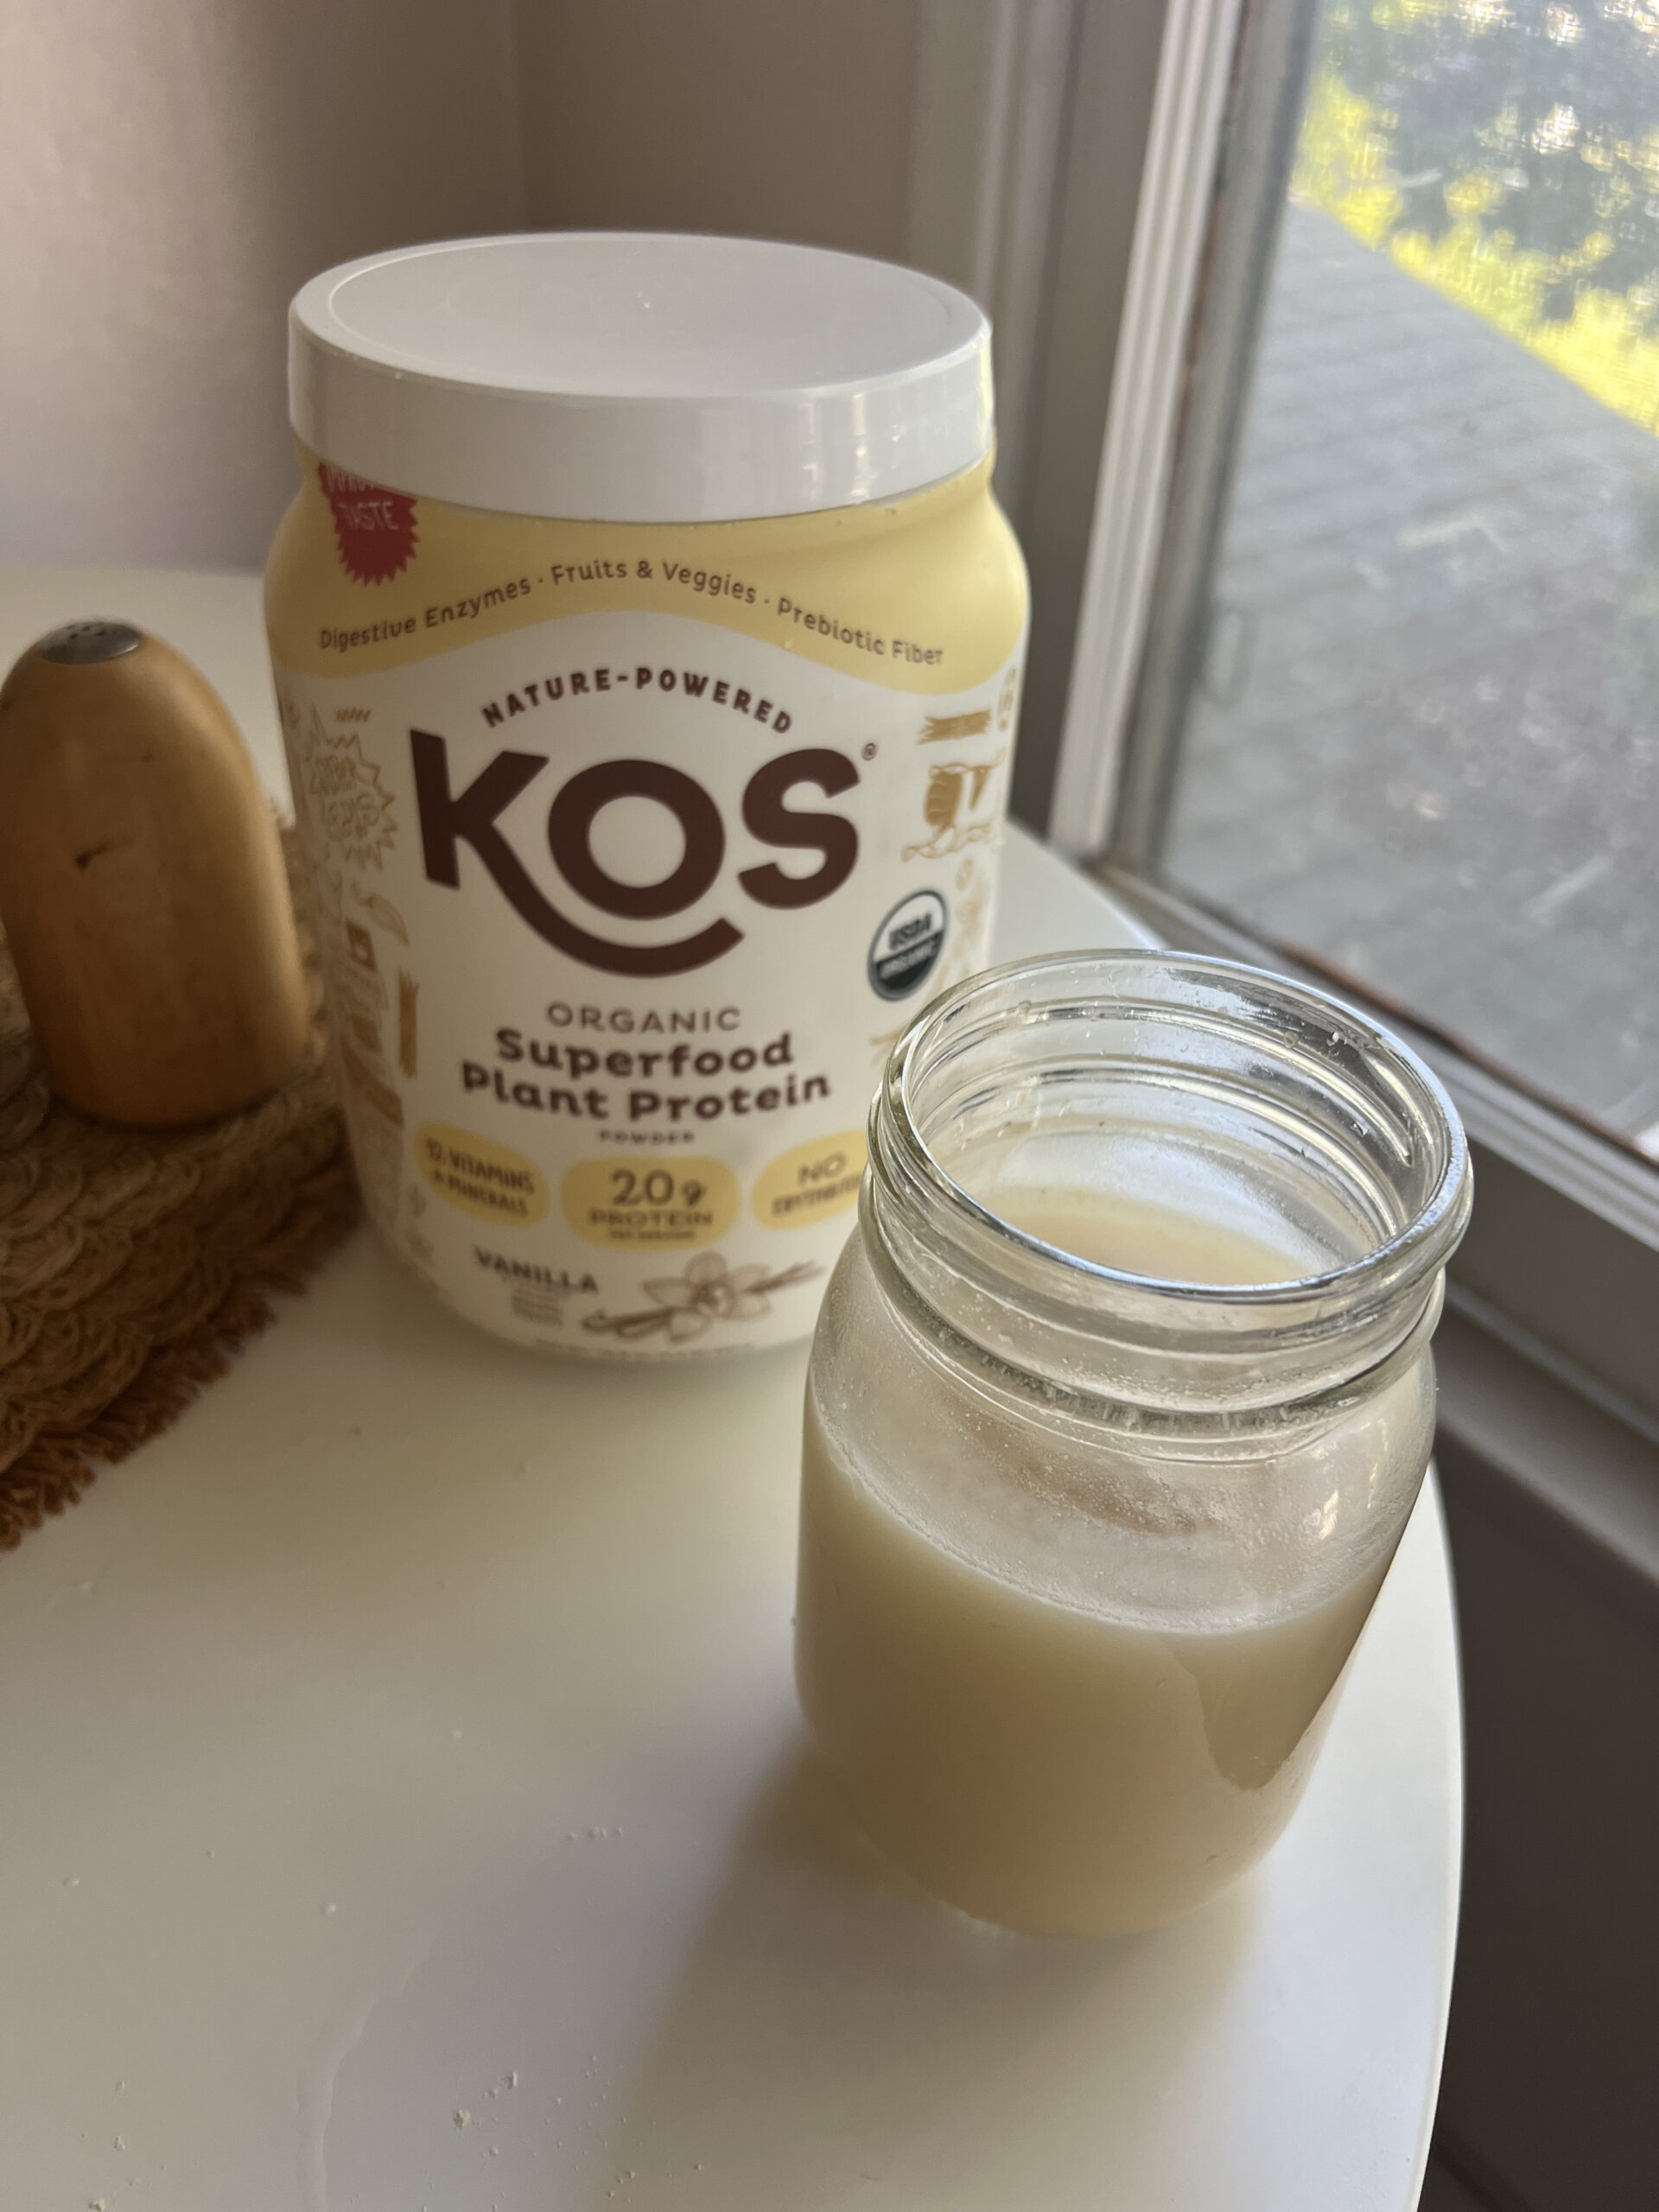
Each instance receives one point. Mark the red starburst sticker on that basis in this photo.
(374, 529)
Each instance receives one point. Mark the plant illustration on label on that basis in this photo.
(708, 1291)
(955, 790)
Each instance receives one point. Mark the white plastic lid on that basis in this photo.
(638, 377)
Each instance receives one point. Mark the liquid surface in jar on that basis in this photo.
(1031, 1750)
(1138, 1237)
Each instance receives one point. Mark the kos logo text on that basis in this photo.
(450, 819)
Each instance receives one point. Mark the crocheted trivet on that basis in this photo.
(132, 1262)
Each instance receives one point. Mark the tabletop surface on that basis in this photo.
(405, 1806)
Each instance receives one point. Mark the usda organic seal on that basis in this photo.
(906, 949)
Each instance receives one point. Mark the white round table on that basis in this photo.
(406, 1805)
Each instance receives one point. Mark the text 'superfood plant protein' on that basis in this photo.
(648, 645)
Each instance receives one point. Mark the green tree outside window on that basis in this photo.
(1507, 152)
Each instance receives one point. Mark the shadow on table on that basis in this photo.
(769, 2017)
(836, 2035)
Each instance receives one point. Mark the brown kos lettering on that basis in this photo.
(449, 819)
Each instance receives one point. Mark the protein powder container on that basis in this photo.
(648, 646)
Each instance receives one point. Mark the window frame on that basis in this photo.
(1560, 1263)
(1559, 1272)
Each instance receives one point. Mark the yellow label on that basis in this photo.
(661, 1202)
(923, 594)
(489, 1180)
(810, 1183)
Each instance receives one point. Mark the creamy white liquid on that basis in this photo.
(1027, 1747)
(1140, 1237)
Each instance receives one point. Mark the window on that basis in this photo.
(1422, 738)
(1413, 724)
(1366, 676)
(1366, 679)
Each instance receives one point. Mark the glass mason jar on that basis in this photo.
(1087, 1542)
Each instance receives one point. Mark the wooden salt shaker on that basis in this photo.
(142, 885)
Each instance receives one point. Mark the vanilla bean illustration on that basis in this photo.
(708, 1291)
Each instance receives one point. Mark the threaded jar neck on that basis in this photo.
(1221, 1092)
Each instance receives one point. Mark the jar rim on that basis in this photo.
(1312, 1329)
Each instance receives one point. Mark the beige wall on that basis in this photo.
(169, 171)
(782, 118)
